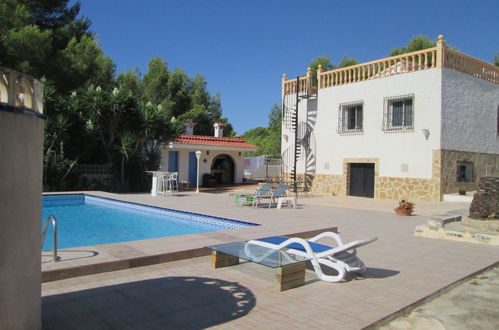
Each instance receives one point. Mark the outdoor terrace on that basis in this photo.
(430, 58)
(403, 270)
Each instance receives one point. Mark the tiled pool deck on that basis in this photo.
(402, 270)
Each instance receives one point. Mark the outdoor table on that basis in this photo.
(286, 199)
(155, 176)
(290, 268)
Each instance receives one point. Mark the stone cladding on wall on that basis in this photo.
(483, 165)
(427, 190)
(414, 189)
(329, 184)
(443, 180)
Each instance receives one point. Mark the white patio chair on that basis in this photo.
(172, 182)
(162, 185)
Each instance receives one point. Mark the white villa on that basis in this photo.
(414, 126)
(222, 157)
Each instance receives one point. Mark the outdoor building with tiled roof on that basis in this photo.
(238, 143)
(220, 157)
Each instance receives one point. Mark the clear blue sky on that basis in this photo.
(244, 47)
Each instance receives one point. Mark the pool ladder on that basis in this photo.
(51, 220)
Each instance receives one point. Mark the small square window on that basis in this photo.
(398, 114)
(350, 118)
(465, 171)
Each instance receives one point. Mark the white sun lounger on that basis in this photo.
(342, 258)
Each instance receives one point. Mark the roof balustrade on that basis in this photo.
(435, 57)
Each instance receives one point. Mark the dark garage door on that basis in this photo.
(362, 179)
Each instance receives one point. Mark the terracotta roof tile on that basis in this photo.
(212, 140)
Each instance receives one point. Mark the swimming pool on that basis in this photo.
(84, 219)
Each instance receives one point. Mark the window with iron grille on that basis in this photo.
(350, 118)
(398, 113)
(464, 171)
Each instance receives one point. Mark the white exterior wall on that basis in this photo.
(393, 149)
(204, 166)
(469, 113)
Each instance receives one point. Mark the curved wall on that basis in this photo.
(21, 147)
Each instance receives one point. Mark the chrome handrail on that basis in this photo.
(50, 219)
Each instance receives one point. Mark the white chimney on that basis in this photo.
(219, 129)
(189, 128)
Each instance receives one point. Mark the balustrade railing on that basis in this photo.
(436, 57)
(291, 87)
(20, 90)
(415, 61)
(472, 66)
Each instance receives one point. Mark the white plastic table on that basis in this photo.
(155, 176)
(291, 199)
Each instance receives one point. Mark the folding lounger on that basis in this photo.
(280, 191)
(262, 191)
(342, 258)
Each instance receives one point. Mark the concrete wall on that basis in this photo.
(469, 113)
(400, 154)
(21, 146)
(205, 162)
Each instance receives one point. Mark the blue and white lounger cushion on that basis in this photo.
(343, 258)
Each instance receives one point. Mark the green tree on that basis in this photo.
(94, 117)
(419, 42)
(199, 94)
(199, 116)
(346, 61)
(496, 60)
(156, 81)
(324, 61)
(267, 139)
(51, 14)
(44, 38)
(178, 101)
(131, 82)
(275, 117)
(215, 107)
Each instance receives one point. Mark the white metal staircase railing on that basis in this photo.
(51, 220)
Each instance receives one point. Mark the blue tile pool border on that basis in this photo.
(196, 217)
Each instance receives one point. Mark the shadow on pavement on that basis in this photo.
(165, 303)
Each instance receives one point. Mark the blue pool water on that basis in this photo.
(88, 220)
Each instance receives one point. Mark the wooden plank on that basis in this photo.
(291, 276)
(219, 260)
(290, 285)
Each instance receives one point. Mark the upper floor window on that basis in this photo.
(398, 114)
(350, 118)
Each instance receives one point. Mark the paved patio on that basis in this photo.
(402, 270)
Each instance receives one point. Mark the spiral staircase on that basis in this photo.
(299, 158)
